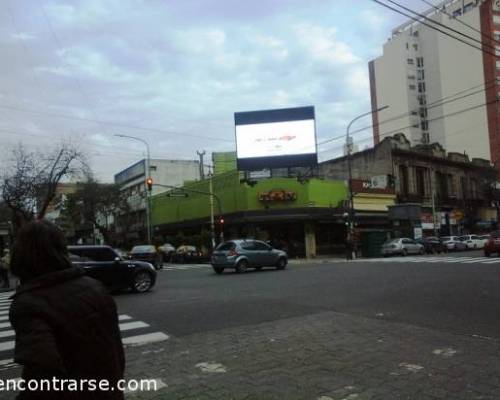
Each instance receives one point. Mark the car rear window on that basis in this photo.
(143, 249)
(226, 246)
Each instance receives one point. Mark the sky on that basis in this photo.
(174, 72)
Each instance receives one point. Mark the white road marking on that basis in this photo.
(124, 317)
(5, 301)
(211, 367)
(491, 261)
(127, 326)
(4, 312)
(3, 308)
(6, 362)
(448, 352)
(4, 334)
(4, 318)
(140, 340)
(4, 325)
(7, 345)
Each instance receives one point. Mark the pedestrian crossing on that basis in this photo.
(434, 260)
(184, 267)
(134, 333)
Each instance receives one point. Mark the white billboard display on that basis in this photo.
(276, 138)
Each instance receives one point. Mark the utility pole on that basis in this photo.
(212, 221)
(433, 194)
(201, 154)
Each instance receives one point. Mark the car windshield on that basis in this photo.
(446, 238)
(143, 249)
(392, 241)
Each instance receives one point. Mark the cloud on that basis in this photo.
(21, 36)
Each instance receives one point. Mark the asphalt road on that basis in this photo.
(459, 297)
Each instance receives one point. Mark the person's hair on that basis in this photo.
(39, 249)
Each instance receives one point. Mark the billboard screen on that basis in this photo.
(275, 138)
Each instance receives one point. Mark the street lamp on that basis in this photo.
(348, 142)
(148, 179)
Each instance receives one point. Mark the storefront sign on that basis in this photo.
(277, 196)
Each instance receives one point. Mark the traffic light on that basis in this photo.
(149, 184)
(221, 221)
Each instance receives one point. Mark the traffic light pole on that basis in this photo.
(212, 196)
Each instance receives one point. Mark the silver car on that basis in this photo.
(402, 247)
(243, 254)
(454, 243)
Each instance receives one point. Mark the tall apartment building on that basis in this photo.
(439, 89)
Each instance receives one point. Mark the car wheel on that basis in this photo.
(281, 264)
(143, 281)
(242, 266)
(218, 270)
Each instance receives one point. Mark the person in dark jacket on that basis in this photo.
(66, 324)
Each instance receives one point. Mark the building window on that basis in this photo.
(420, 74)
(410, 61)
(496, 19)
(421, 87)
(415, 47)
(468, 7)
(403, 180)
(496, 35)
(415, 33)
(426, 138)
(152, 167)
(421, 177)
(457, 13)
(422, 100)
(423, 112)
(450, 182)
(497, 50)
(414, 112)
(412, 87)
(420, 62)
(442, 186)
(498, 65)
(411, 77)
(407, 46)
(473, 188)
(424, 125)
(463, 185)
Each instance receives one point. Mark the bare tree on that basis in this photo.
(30, 184)
(96, 204)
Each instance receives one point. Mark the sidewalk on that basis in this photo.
(326, 356)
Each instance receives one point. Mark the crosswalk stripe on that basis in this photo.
(492, 261)
(4, 334)
(3, 308)
(4, 312)
(124, 317)
(133, 325)
(4, 317)
(7, 345)
(145, 339)
(473, 260)
(4, 325)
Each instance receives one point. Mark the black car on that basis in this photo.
(433, 245)
(104, 264)
(147, 253)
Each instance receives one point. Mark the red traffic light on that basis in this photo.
(221, 220)
(149, 183)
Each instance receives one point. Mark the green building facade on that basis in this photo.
(304, 217)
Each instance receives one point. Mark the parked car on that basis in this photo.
(243, 254)
(493, 244)
(189, 254)
(105, 264)
(484, 239)
(147, 253)
(454, 243)
(432, 245)
(167, 251)
(401, 246)
(473, 241)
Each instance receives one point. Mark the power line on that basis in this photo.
(441, 24)
(443, 11)
(119, 125)
(433, 27)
